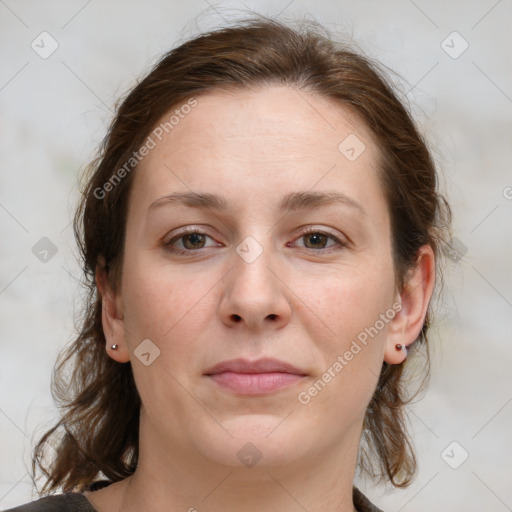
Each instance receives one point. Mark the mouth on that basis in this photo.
(263, 376)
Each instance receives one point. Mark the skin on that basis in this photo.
(299, 302)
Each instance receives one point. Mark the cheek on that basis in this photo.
(352, 360)
(171, 308)
(348, 300)
(166, 304)
(351, 311)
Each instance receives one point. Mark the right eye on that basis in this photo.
(191, 239)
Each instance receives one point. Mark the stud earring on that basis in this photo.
(114, 347)
(401, 347)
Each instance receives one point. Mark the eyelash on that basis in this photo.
(191, 231)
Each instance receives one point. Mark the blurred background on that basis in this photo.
(64, 64)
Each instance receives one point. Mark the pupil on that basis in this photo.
(317, 237)
(194, 238)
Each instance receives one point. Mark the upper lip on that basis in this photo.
(265, 365)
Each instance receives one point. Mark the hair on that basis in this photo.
(99, 399)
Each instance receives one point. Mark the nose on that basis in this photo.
(255, 293)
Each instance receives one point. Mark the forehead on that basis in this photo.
(259, 143)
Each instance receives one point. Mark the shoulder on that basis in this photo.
(362, 503)
(67, 502)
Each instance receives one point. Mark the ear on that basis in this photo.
(111, 315)
(415, 297)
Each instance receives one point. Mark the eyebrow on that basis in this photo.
(291, 202)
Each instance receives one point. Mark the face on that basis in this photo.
(268, 275)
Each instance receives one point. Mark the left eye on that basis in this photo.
(318, 239)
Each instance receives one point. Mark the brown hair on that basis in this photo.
(100, 401)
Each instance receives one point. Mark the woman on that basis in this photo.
(260, 234)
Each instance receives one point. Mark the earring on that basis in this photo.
(401, 347)
(114, 347)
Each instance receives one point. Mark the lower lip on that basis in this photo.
(255, 383)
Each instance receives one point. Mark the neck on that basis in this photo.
(189, 482)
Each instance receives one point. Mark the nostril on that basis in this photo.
(272, 316)
(236, 318)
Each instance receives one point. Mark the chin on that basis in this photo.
(257, 442)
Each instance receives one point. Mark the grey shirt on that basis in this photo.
(76, 502)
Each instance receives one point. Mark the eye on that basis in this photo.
(317, 239)
(191, 240)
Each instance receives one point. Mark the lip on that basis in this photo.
(264, 365)
(259, 377)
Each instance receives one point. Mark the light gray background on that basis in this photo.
(54, 112)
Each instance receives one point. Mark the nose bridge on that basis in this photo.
(253, 260)
(253, 292)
